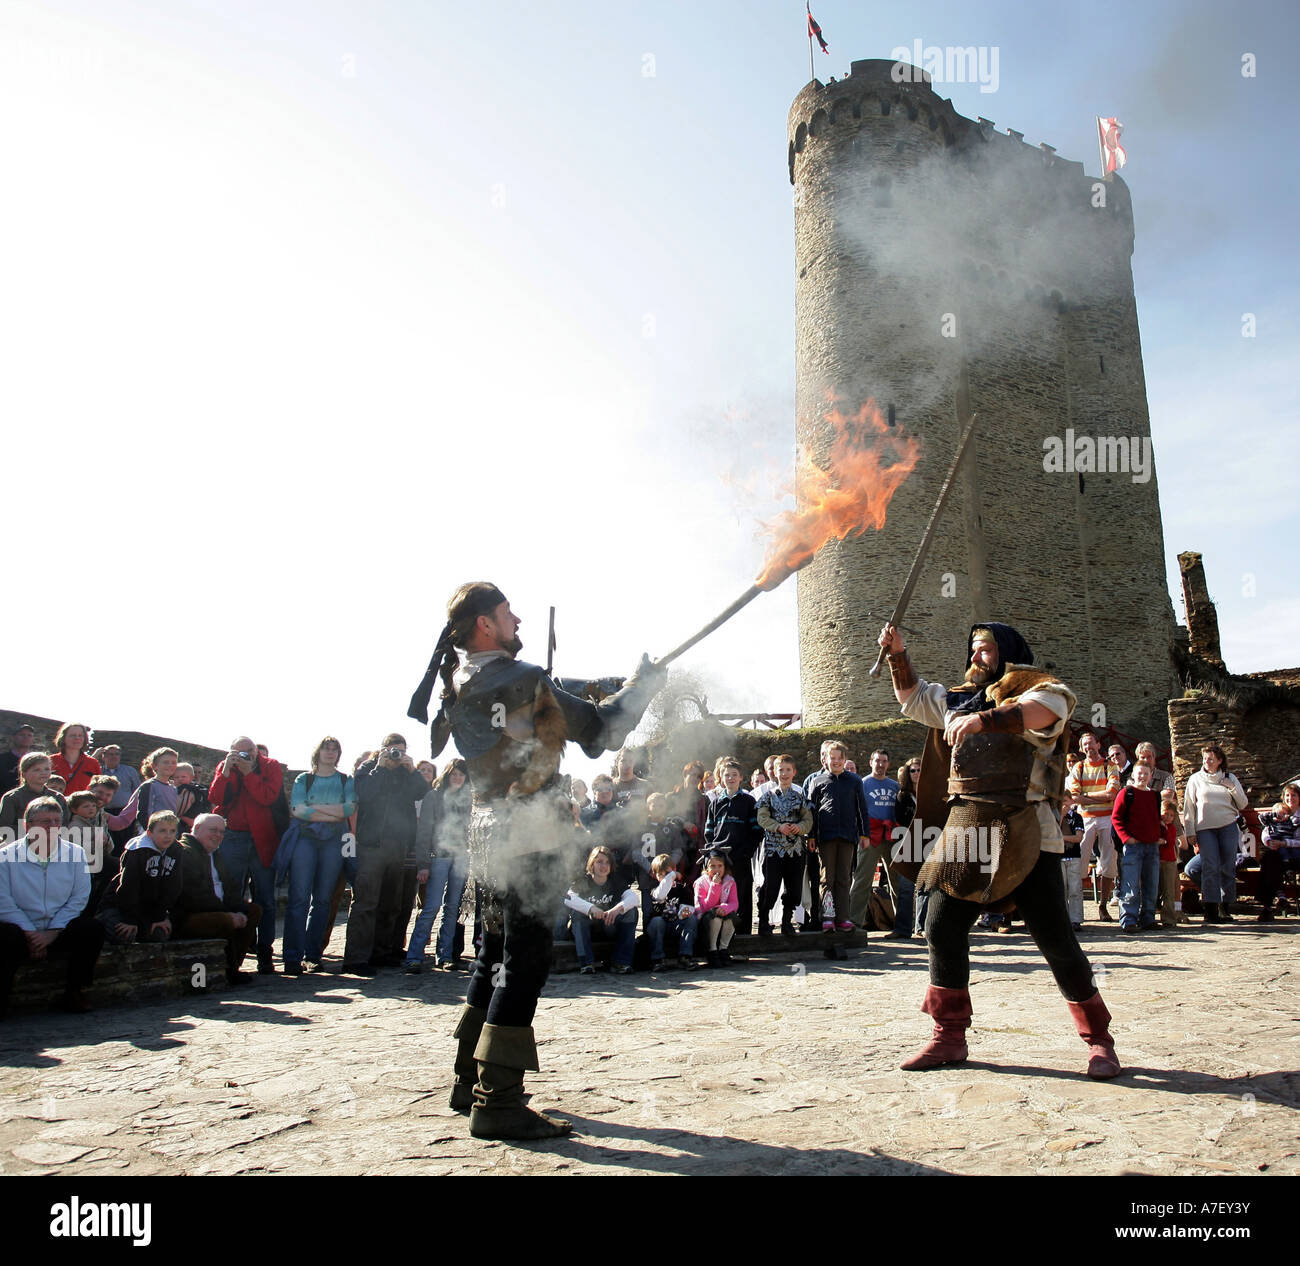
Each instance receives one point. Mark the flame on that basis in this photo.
(845, 499)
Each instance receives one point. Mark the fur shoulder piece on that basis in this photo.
(1019, 679)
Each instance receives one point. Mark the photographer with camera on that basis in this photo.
(243, 790)
(388, 789)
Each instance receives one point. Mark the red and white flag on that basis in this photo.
(1112, 152)
(814, 29)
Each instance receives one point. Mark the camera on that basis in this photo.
(243, 755)
(394, 753)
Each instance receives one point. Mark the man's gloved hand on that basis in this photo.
(648, 676)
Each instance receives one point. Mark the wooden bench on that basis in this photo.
(127, 974)
(805, 945)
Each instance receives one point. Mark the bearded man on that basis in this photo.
(510, 722)
(992, 776)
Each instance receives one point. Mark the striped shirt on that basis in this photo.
(1087, 781)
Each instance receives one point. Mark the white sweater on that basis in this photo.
(1212, 801)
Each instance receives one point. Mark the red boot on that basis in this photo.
(1093, 1022)
(951, 1011)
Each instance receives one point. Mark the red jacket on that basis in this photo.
(77, 776)
(1136, 816)
(245, 803)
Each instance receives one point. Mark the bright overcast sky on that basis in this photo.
(313, 310)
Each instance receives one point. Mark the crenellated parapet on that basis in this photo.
(875, 127)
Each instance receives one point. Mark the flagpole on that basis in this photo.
(812, 74)
(1101, 148)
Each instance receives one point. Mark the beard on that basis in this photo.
(977, 676)
(512, 645)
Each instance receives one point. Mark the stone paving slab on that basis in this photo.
(775, 1067)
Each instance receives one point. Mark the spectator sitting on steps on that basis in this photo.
(44, 887)
(207, 905)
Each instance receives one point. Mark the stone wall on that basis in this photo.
(129, 974)
(906, 215)
(1261, 741)
(135, 746)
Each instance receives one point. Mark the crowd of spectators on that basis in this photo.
(97, 852)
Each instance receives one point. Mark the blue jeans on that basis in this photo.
(1215, 866)
(624, 935)
(1139, 885)
(443, 891)
(313, 872)
(240, 861)
(683, 929)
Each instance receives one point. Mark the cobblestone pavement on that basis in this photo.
(775, 1068)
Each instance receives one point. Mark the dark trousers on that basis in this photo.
(743, 873)
(515, 957)
(1270, 877)
(393, 941)
(814, 886)
(778, 870)
(375, 896)
(219, 925)
(1040, 901)
(80, 942)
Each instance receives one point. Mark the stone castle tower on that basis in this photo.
(938, 258)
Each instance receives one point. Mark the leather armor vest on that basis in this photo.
(991, 766)
(491, 722)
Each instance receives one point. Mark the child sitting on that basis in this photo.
(716, 903)
(137, 905)
(89, 829)
(671, 914)
(656, 833)
(34, 772)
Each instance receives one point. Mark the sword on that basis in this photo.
(900, 608)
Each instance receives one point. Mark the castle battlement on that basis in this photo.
(870, 93)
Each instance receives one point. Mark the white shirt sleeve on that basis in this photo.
(928, 704)
(1054, 703)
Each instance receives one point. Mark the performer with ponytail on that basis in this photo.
(510, 722)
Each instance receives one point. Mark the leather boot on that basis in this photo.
(467, 1035)
(1103, 901)
(1211, 912)
(1093, 1022)
(950, 1009)
(503, 1053)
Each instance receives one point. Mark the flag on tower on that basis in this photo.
(814, 29)
(1113, 156)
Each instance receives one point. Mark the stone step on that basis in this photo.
(128, 974)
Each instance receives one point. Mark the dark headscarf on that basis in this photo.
(1012, 649)
(478, 597)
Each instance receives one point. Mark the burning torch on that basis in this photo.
(841, 500)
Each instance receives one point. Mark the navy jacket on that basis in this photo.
(733, 823)
(839, 806)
